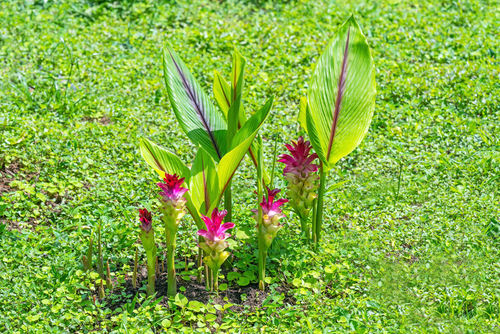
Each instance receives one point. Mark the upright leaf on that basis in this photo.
(240, 144)
(163, 162)
(237, 81)
(222, 93)
(232, 121)
(302, 113)
(195, 112)
(203, 183)
(341, 95)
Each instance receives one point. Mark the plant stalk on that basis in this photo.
(172, 282)
(262, 256)
(319, 209)
(305, 228)
(134, 274)
(313, 221)
(100, 264)
(200, 261)
(151, 261)
(228, 203)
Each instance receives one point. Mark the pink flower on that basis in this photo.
(146, 220)
(271, 210)
(215, 231)
(172, 190)
(300, 162)
(299, 171)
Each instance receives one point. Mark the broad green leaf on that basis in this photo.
(203, 184)
(232, 121)
(195, 112)
(222, 93)
(341, 95)
(240, 144)
(302, 113)
(237, 81)
(163, 162)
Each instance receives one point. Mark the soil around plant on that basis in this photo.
(242, 297)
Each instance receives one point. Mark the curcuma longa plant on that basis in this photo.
(215, 243)
(173, 208)
(222, 138)
(339, 107)
(211, 129)
(148, 242)
(300, 174)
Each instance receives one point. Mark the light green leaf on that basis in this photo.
(195, 112)
(240, 144)
(203, 183)
(341, 95)
(336, 186)
(162, 160)
(222, 93)
(302, 113)
(237, 81)
(232, 121)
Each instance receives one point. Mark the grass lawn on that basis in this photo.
(410, 242)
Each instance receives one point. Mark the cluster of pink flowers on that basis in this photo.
(299, 172)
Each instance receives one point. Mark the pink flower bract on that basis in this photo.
(300, 162)
(215, 231)
(269, 206)
(172, 190)
(146, 220)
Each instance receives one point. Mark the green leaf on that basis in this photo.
(195, 112)
(162, 160)
(222, 93)
(223, 287)
(203, 183)
(336, 186)
(341, 95)
(181, 300)
(166, 323)
(302, 113)
(232, 122)
(231, 276)
(237, 81)
(211, 317)
(243, 281)
(240, 144)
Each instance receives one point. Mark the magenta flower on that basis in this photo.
(300, 162)
(146, 220)
(298, 172)
(270, 209)
(215, 231)
(271, 213)
(172, 190)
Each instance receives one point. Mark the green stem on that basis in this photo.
(216, 280)
(305, 228)
(100, 262)
(313, 221)
(262, 257)
(319, 209)
(228, 203)
(172, 282)
(151, 273)
(200, 261)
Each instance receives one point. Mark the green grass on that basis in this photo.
(81, 82)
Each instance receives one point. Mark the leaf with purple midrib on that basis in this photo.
(194, 101)
(340, 94)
